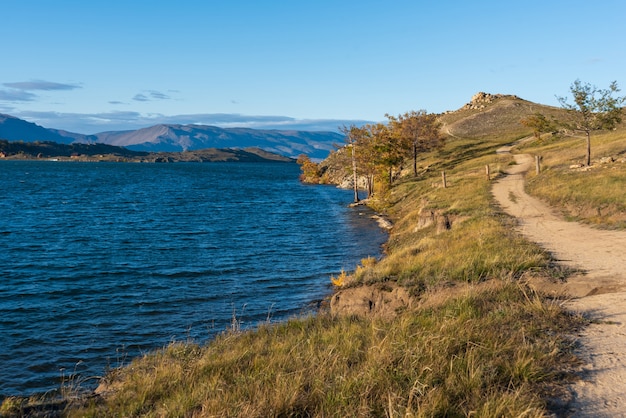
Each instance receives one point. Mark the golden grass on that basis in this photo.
(483, 352)
(453, 234)
(597, 195)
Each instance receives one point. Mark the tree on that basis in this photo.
(593, 109)
(367, 157)
(389, 152)
(310, 170)
(418, 132)
(353, 136)
(538, 123)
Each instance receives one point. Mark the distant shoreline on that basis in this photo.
(49, 151)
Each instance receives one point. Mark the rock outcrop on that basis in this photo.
(481, 99)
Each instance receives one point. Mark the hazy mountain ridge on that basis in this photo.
(177, 138)
(15, 129)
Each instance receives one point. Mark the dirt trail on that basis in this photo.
(599, 292)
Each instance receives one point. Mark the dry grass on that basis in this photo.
(597, 195)
(453, 234)
(483, 352)
(497, 121)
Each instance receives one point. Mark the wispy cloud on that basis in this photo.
(158, 95)
(16, 96)
(21, 91)
(594, 60)
(150, 95)
(141, 98)
(40, 85)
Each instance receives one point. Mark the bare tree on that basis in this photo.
(353, 135)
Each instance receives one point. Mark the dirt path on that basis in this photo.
(599, 292)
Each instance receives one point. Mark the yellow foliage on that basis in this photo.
(340, 280)
(368, 262)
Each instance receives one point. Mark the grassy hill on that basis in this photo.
(443, 325)
(494, 117)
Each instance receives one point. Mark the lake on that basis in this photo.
(102, 262)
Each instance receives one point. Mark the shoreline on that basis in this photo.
(313, 305)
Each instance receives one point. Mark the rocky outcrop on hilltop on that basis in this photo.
(481, 99)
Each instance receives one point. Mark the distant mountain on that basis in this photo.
(173, 138)
(15, 129)
(176, 138)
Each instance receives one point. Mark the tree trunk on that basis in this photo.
(588, 157)
(354, 176)
(415, 158)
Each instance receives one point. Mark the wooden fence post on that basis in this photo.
(487, 172)
(537, 164)
(443, 179)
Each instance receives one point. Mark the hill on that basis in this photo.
(104, 152)
(50, 149)
(174, 138)
(15, 129)
(246, 155)
(488, 116)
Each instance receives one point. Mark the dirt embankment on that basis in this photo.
(599, 291)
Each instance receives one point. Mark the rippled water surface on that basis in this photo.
(100, 262)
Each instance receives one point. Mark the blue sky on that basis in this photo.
(92, 66)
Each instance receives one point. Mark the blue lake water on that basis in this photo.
(101, 262)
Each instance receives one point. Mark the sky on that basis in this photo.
(94, 66)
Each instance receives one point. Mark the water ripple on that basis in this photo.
(102, 262)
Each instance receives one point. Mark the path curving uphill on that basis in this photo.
(599, 291)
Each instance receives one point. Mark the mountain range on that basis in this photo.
(176, 138)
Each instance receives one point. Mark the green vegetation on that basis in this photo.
(593, 109)
(475, 341)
